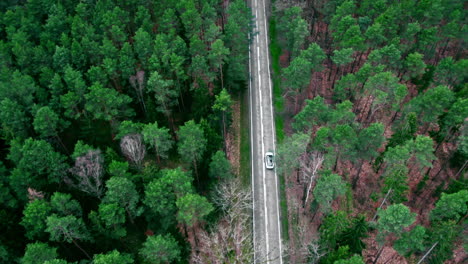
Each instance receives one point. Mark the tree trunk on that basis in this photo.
(196, 171)
(356, 178)
(129, 216)
(378, 254)
(383, 202)
(427, 253)
(80, 248)
(334, 77)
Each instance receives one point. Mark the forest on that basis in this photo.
(122, 126)
(113, 117)
(372, 106)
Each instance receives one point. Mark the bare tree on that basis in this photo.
(133, 148)
(310, 164)
(34, 194)
(138, 83)
(87, 173)
(230, 235)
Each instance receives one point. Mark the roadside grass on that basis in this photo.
(244, 171)
(275, 51)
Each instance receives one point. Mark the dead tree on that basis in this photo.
(138, 83)
(310, 164)
(133, 148)
(87, 173)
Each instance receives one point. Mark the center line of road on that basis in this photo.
(273, 131)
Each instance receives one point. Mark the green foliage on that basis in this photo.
(122, 192)
(353, 260)
(450, 206)
(107, 104)
(193, 208)
(34, 218)
(333, 225)
(329, 187)
(38, 253)
(112, 257)
(158, 138)
(67, 229)
(161, 194)
(37, 165)
(63, 204)
(220, 167)
(393, 220)
(396, 179)
(192, 142)
(14, 121)
(290, 150)
(411, 241)
(160, 249)
(353, 234)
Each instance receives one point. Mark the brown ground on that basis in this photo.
(369, 181)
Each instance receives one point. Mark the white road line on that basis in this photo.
(273, 131)
(251, 150)
(263, 152)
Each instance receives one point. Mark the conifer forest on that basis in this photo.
(124, 131)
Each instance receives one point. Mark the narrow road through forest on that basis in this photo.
(266, 215)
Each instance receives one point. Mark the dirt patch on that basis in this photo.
(233, 138)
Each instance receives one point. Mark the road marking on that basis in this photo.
(251, 150)
(273, 130)
(263, 152)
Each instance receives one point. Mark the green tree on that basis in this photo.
(217, 57)
(34, 218)
(353, 234)
(158, 138)
(68, 229)
(396, 179)
(220, 167)
(63, 204)
(332, 227)
(38, 252)
(112, 257)
(431, 104)
(414, 66)
(192, 143)
(164, 93)
(193, 208)
(236, 37)
(128, 127)
(295, 29)
(450, 206)
(411, 241)
(14, 121)
(109, 220)
(37, 166)
(343, 139)
(290, 150)
(393, 220)
(385, 92)
(223, 104)
(107, 104)
(329, 186)
(341, 58)
(161, 194)
(315, 112)
(123, 192)
(373, 136)
(353, 260)
(160, 249)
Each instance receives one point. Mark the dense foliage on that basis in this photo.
(109, 111)
(375, 106)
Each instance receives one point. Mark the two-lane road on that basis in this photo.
(266, 217)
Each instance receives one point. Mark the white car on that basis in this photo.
(269, 160)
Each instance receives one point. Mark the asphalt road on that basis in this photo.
(266, 218)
